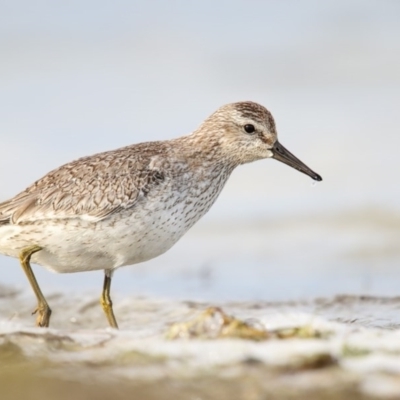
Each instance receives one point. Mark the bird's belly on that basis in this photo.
(75, 245)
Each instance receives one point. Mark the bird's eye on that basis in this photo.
(249, 128)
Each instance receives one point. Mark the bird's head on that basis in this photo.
(246, 132)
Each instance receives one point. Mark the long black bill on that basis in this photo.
(285, 156)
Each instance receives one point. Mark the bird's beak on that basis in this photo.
(285, 156)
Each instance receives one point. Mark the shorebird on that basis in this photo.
(129, 205)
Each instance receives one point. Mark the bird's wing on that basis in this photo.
(91, 188)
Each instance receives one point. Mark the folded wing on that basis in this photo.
(91, 188)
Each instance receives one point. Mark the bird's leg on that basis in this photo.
(105, 300)
(43, 310)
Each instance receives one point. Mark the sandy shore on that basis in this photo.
(341, 347)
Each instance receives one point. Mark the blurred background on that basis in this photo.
(80, 77)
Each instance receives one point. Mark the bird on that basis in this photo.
(132, 204)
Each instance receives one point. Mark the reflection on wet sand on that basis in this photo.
(340, 347)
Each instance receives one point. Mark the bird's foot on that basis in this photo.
(43, 312)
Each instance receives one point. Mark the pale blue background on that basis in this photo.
(80, 77)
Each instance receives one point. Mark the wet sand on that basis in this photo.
(339, 347)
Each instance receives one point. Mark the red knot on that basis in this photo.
(129, 205)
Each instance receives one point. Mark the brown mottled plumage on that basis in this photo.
(132, 204)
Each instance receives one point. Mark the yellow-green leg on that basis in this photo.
(106, 302)
(43, 310)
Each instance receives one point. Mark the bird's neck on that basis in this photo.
(205, 150)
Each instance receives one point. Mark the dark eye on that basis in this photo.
(249, 128)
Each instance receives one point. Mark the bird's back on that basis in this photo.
(90, 188)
